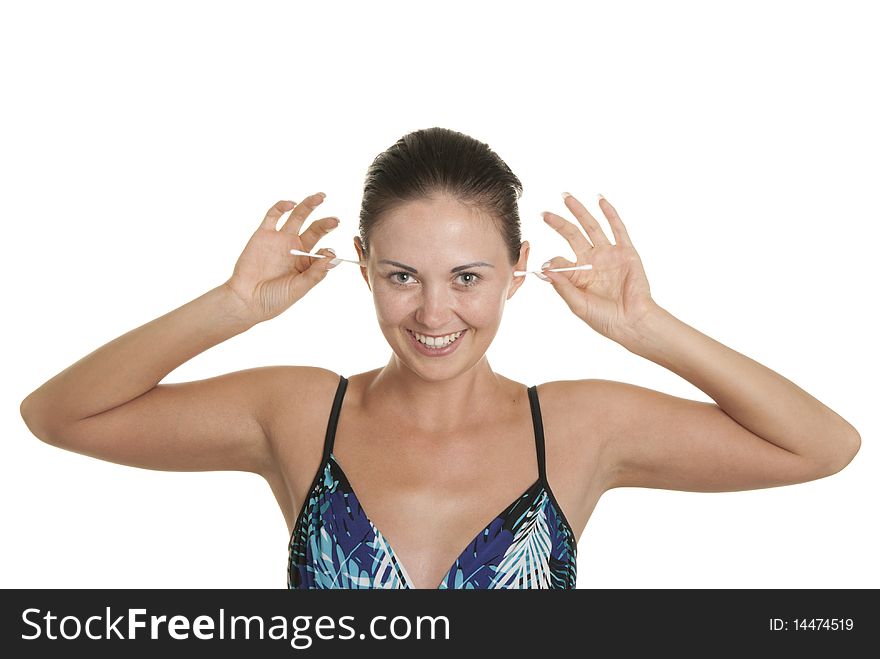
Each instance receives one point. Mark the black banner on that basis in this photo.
(269, 623)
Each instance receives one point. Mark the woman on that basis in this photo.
(435, 443)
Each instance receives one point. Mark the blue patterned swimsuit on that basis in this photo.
(334, 544)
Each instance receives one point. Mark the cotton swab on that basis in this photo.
(322, 256)
(520, 273)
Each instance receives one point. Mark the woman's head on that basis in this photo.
(442, 162)
(440, 234)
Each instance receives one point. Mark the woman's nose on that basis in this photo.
(435, 309)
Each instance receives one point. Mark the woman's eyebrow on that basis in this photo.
(475, 264)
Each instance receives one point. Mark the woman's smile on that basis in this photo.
(438, 346)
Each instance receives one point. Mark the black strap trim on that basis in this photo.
(542, 467)
(334, 418)
(328, 447)
(539, 431)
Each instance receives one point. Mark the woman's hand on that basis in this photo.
(612, 297)
(267, 277)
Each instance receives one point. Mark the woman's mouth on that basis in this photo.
(435, 346)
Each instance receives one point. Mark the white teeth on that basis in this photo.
(437, 342)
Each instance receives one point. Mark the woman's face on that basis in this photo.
(437, 268)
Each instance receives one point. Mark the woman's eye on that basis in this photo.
(466, 278)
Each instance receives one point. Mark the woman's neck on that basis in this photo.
(437, 406)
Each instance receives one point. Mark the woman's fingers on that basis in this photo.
(571, 294)
(301, 212)
(275, 213)
(621, 237)
(588, 222)
(317, 230)
(571, 233)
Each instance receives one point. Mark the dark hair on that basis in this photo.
(439, 160)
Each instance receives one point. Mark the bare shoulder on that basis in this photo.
(296, 392)
(584, 408)
(298, 403)
(562, 391)
(597, 389)
(603, 406)
(594, 415)
(577, 428)
(284, 382)
(595, 420)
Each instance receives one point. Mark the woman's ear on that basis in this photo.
(361, 252)
(521, 264)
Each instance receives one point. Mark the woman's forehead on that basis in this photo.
(424, 223)
(440, 243)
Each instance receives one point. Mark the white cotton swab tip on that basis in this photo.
(520, 273)
(300, 253)
(334, 261)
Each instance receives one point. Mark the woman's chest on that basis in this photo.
(426, 495)
(430, 494)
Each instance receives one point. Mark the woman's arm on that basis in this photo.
(109, 404)
(757, 398)
(134, 363)
(763, 430)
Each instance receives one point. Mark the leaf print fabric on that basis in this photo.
(335, 545)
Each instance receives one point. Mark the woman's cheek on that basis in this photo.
(391, 306)
(482, 308)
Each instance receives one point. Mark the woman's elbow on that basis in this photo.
(35, 420)
(846, 448)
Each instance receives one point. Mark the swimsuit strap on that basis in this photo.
(334, 418)
(539, 431)
(533, 402)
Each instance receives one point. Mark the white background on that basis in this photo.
(142, 143)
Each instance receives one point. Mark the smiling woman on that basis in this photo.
(475, 480)
(449, 283)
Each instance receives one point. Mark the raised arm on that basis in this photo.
(762, 431)
(110, 405)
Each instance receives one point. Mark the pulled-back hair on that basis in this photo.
(441, 161)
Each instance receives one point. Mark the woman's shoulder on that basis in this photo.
(295, 390)
(589, 403)
(569, 395)
(579, 391)
(298, 378)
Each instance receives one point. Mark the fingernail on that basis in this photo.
(321, 193)
(332, 263)
(544, 266)
(566, 195)
(599, 195)
(331, 250)
(334, 222)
